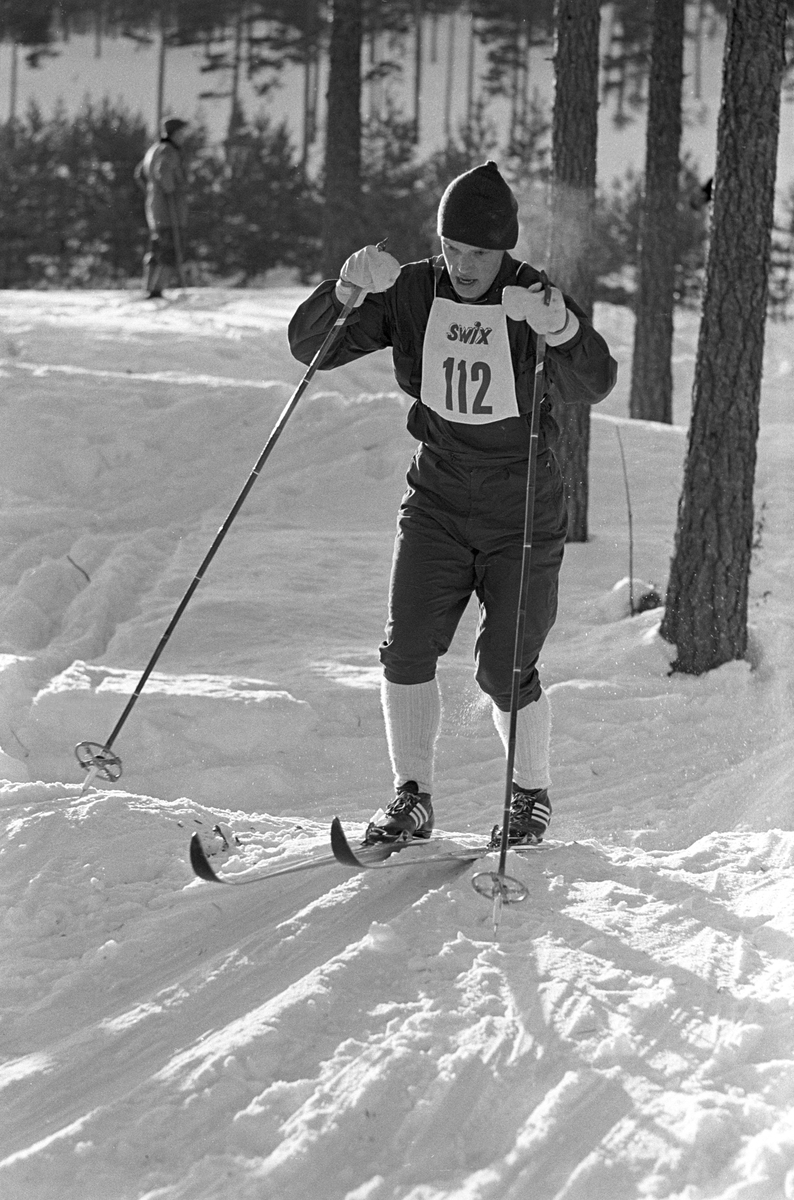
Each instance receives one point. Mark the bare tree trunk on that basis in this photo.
(450, 77)
(418, 20)
(434, 38)
(307, 108)
(619, 82)
(527, 52)
(470, 71)
(574, 141)
(311, 73)
(651, 395)
(515, 86)
(99, 21)
(374, 84)
(609, 34)
(706, 605)
(235, 115)
(14, 84)
(161, 68)
(698, 72)
(342, 207)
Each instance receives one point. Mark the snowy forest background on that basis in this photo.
(70, 214)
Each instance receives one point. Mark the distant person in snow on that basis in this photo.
(462, 327)
(161, 174)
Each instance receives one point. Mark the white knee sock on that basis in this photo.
(533, 735)
(412, 713)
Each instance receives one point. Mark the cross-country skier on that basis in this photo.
(161, 175)
(462, 327)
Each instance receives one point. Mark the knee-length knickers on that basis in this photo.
(461, 531)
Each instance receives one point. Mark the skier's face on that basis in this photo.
(471, 269)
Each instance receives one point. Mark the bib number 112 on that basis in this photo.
(469, 376)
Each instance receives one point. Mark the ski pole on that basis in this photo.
(631, 532)
(503, 888)
(99, 759)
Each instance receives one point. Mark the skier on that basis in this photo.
(161, 175)
(462, 327)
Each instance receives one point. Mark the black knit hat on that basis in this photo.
(172, 125)
(479, 209)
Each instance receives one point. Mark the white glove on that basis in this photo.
(552, 319)
(371, 269)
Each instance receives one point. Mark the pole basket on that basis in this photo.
(99, 760)
(502, 887)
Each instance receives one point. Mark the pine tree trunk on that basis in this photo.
(13, 85)
(574, 141)
(470, 65)
(706, 604)
(307, 109)
(450, 77)
(418, 64)
(342, 192)
(310, 59)
(651, 396)
(161, 52)
(99, 28)
(698, 69)
(235, 111)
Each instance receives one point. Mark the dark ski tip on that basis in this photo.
(341, 847)
(199, 861)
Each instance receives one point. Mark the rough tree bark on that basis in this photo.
(342, 188)
(651, 395)
(706, 604)
(574, 142)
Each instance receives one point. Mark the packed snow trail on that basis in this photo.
(364, 1037)
(632, 1021)
(227, 965)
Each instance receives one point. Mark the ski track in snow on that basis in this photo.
(364, 1036)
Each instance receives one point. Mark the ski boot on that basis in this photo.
(410, 814)
(530, 814)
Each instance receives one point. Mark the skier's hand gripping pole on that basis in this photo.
(99, 759)
(502, 888)
(371, 269)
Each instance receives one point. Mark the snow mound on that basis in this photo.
(198, 727)
(627, 598)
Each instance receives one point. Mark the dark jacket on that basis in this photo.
(580, 371)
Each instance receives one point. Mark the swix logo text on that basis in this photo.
(475, 335)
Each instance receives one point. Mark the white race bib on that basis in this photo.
(467, 370)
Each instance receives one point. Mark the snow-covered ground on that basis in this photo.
(627, 1036)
